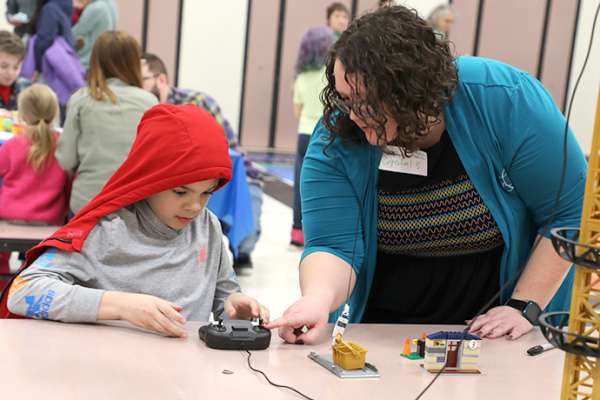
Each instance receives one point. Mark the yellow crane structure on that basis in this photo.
(581, 341)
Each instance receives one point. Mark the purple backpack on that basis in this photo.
(61, 68)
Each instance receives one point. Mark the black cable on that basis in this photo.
(554, 211)
(273, 383)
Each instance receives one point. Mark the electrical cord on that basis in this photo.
(554, 211)
(273, 383)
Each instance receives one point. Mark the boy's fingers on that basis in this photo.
(171, 313)
(254, 309)
(169, 326)
(230, 310)
(155, 326)
(265, 315)
(175, 306)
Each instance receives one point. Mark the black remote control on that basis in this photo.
(235, 335)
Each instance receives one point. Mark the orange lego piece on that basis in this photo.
(406, 350)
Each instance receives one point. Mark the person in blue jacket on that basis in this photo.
(52, 18)
(425, 186)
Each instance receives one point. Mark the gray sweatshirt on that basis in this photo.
(131, 251)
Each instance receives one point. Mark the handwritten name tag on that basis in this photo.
(416, 164)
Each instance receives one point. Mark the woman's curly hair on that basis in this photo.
(403, 69)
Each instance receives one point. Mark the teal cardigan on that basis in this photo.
(508, 134)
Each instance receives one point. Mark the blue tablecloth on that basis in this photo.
(233, 206)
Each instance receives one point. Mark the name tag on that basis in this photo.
(416, 164)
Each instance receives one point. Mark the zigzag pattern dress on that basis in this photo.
(439, 248)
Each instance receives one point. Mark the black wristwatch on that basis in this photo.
(529, 309)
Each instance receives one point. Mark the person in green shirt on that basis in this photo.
(310, 80)
(98, 16)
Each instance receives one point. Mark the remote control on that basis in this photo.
(235, 335)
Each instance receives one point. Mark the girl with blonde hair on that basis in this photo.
(33, 186)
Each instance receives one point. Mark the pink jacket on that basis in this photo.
(29, 195)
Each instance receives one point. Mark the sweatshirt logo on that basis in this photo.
(202, 255)
(38, 308)
(17, 284)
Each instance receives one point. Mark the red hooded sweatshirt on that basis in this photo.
(174, 146)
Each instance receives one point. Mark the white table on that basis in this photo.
(49, 360)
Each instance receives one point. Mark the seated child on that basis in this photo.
(145, 249)
(12, 51)
(34, 186)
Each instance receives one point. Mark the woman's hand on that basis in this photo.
(500, 321)
(309, 312)
(241, 306)
(145, 311)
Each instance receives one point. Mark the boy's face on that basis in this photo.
(10, 67)
(179, 206)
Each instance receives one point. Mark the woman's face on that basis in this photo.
(348, 92)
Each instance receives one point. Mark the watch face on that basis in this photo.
(532, 312)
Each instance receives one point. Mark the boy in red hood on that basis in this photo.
(145, 249)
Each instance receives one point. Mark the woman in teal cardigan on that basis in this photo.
(425, 186)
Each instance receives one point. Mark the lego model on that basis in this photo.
(347, 360)
(348, 355)
(419, 354)
(457, 351)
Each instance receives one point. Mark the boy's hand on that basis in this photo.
(241, 306)
(145, 311)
